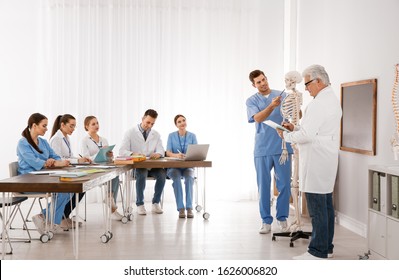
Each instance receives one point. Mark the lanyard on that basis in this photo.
(68, 145)
(184, 144)
(99, 145)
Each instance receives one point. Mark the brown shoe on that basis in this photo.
(66, 224)
(182, 214)
(190, 213)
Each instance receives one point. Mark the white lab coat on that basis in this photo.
(63, 147)
(133, 142)
(89, 148)
(317, 139)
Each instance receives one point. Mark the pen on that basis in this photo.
(282, 92)
(179, 151)
(80, 155)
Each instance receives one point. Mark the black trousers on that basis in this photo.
(72, 204)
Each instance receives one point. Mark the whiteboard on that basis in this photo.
(358, 124)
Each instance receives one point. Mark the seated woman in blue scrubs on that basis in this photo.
(177, 146)
(34, 153)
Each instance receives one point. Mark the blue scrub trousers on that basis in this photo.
(176, 174)
(263, 166)
(61, 199)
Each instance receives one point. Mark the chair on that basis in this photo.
(16, 202)
(13, 170)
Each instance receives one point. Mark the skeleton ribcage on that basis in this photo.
(291, 107)
(395, 97)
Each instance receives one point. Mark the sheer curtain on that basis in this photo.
(116, 58)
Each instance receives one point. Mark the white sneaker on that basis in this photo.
(116, 216)
(156, 208)
(265, 228)
(283, 225)
(141, 210)
(40, 223)
(306, 256)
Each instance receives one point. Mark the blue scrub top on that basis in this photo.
(267, 141)
(31, 160)
(177, 142)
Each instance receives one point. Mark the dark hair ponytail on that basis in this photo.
(59, 120)
(35, 118)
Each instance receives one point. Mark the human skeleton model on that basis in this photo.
(290, 110)
(395, 106)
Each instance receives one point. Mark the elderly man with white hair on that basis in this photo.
(317, 138)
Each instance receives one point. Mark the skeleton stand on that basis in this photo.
(290, 110)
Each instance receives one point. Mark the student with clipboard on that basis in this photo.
(97, 149)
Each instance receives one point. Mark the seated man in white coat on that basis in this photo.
(143, 140)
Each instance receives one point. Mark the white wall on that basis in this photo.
(354, 40)
(19, 72)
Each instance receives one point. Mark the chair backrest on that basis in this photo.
(13, 168)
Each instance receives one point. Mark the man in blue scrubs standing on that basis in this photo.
(265, 105)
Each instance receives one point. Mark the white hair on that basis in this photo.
(316, 72)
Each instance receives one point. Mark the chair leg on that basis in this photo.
(7, 237)
(17, 209)
(85, 209)
(162, 198)
(30, 209)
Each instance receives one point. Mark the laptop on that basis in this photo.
(196, 152)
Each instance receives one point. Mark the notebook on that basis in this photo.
(102, 154)
(196, 152)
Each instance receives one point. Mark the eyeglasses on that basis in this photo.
(307, 83)
(71, 126)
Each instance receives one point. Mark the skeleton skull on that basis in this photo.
(291, 79)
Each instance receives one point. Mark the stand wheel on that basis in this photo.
(110, 235)
(206, 216)
(104, 238)
(130, 217)
(50, 234)
(124, 220)
(44, 238)
(291, 244)
(273, 238)
(198, 208)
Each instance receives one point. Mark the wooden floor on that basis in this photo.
(231, 233)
